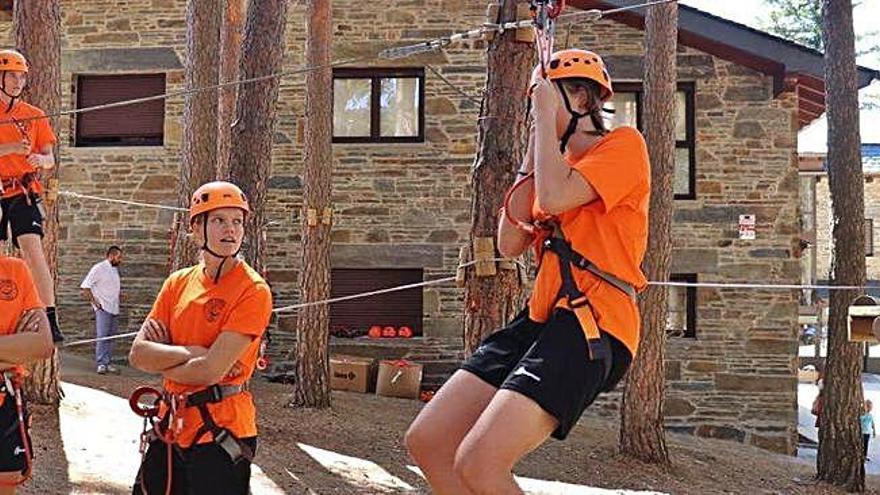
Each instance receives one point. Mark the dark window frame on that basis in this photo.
(80, 141)
(690, 141)
(690, 303)
(375, 76)
(869, 237)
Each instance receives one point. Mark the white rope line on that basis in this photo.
(390, 53)
(120, 201)
(350, 297)
(745, 285)
(361, 295)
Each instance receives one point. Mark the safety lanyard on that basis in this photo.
(544, 14)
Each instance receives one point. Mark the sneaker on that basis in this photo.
(112, 369)
(102, 369)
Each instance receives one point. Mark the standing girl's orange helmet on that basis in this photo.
(214, 196)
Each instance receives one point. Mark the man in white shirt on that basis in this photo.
(101, 288)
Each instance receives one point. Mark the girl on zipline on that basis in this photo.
(582, 201)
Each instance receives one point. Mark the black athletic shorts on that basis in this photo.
(548, 362)
(12, 447)
(203, 469)
(21, 216)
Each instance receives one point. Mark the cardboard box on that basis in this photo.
(399, 378)
(352, 373)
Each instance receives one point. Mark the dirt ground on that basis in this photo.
(356, 448)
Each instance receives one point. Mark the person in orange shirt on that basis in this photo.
(26, 143)
(203, 336)
(582, 202)
(24, 337)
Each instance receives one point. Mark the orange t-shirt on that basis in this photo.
(17, 295)
(196, 311)
(612, 232)
(15, 126)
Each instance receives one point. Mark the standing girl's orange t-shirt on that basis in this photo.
(196, 311)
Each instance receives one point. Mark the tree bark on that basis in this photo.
(230, 56)
(492, 300)
(198, 164)
(250, 161)
(641, 421)
(840, 461)
(37, 28)
(312, 387)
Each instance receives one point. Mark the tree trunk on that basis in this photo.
(641, 420)
(840, 459)
(312, 388)
(494, 299)
(230, 56)
(38, 35)
(198, 165)
(250, 161)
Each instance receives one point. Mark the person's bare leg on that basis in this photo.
(435, 434)
(32, 252)
(511, 426)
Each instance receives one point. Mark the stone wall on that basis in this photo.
(408, 204)
(824, 226)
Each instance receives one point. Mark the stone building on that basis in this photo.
(405, 141)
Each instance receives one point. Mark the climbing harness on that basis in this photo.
(148, 403)
(26, 182)
(574, 298)
(12, 390)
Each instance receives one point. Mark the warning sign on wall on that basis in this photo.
(747, 227)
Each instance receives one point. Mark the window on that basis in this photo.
(681, 320)
(142, 124)
(354, 318)
(378, 105)
(627, 104)
(869, 237)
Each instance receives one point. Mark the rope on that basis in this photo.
(591, 15)
(472, 99)
(173, 94)
(120, 201)
(292, 307)
(390, 53)
(437, 281)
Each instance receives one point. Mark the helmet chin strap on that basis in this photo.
(573, 121)
(594, 115)
(207, 248)
(12, 98)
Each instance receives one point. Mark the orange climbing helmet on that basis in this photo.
(215, 195)
(12, 60)
(574, 63)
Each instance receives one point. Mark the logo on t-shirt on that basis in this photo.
(8, 290)
(213, 309)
